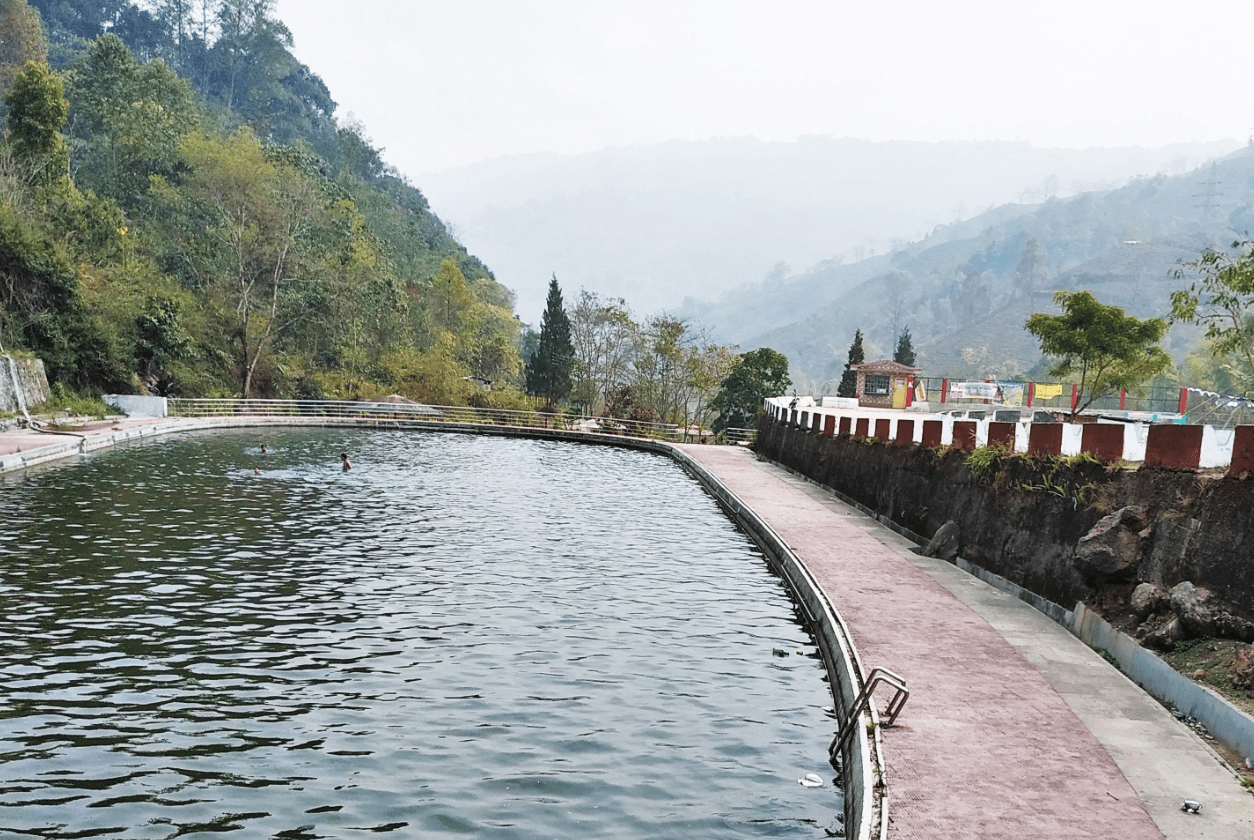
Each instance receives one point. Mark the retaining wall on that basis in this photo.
(1228, 724)
(23, 384)
(1022, 518)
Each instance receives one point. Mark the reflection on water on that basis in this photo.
(460, 635)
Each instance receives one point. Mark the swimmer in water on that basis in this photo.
(263, 449)
(256, 469)
(344, 461)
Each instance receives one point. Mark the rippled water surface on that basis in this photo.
(461, 635)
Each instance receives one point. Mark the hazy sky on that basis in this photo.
(441, 83)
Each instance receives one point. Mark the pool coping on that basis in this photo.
(862, 766)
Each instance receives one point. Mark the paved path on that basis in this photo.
(1014, 728)
(13, 439)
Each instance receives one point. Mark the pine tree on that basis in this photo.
(549, 368)
(849, 380)
(904, 354)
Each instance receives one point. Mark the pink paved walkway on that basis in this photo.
(24, 440)
(985, 747)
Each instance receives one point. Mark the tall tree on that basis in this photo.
(257, 217)
(1222, 298)
(708, 366)
(21, 40)
(604, 337)
(1108, 349)
(1033, 270)
(849, 379)
(755, 376)
(127, 120)
(37, 111)
(660, 388)
(904, 354)
(549, 368)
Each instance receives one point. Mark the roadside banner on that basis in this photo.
(973, 390)
(1047, 392)
(1011, 393)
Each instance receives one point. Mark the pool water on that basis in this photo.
(461, 635)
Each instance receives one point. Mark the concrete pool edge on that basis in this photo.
(862, 767)
(863, 772)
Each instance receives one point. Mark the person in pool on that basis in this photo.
(344, 461)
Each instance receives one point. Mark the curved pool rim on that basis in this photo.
(861, 759)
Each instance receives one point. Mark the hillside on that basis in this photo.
(658, 223)
(966, 290)
(182, 213)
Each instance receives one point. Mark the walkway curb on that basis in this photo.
(938, 812)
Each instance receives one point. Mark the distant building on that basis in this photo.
(885, 384)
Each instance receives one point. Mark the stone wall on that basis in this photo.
(1023, 518)
(22, 383)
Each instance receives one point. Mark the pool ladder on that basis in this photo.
(889, 716)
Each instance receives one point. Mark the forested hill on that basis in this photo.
(183, 213)
(965, 291)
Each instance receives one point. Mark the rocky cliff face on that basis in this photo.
(1065, 529)
(22, 383)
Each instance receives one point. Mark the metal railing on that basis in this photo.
(419, 414)
(863, 701)
(1165, 400)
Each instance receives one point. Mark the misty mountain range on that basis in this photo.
(796, 245)
(966, 290)
(655, 224)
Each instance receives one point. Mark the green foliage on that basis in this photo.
(1107, 655)
(21, 40)
(41, 308)
(1055, 476)
(127, 120)
(849, 379)
(904, 354)
(1222, 298)
(1108, 349)
(550, 368)
(198, 259)
(65, 400)
(605, 340)
(161, 341)
(37, 111)
(755, 376)
(983, 461)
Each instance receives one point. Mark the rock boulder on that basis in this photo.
(1243, 667)
(1204, 615)
(1112, 549)
(1166, 636)
(944, 543)
(1148, 599)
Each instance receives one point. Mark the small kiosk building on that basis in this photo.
(885, 384)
